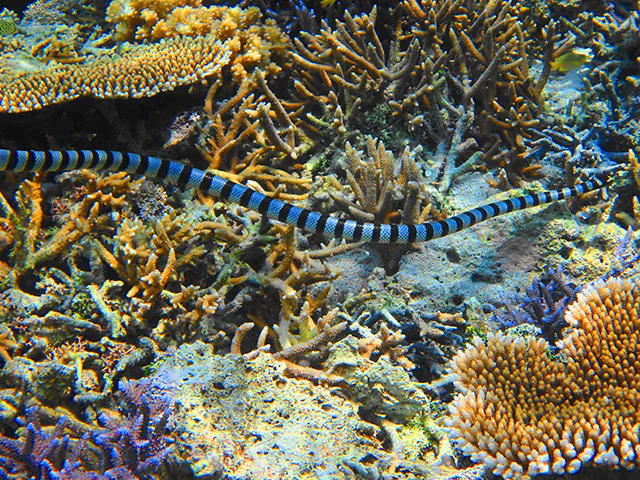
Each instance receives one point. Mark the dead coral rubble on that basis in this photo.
(523, 412)
(231, 412)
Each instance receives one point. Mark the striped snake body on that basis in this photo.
(189, 177)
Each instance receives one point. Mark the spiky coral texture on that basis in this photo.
(237, 41)
(525, 413)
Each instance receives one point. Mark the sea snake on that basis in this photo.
(210, 184)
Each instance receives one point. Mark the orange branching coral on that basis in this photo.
(524, 413)
(250, 115)
(148, 256)
(32, 245)
(144, 70)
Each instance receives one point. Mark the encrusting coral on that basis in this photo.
(524, 412)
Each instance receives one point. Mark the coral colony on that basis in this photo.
(288, 239)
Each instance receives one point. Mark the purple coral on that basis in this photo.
(136, 444)
(130, 447)
(542, 305)
(39, 454)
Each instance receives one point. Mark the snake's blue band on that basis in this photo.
(190, 177)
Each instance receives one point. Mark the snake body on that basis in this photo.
(188, 177)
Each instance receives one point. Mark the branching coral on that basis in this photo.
(383, 190)
(342, 68)
(485, 51)
(444, 62)
(136, 248)
(137, 18)
(131, 446)
(525, 413)
(32, 245)
(253, 113)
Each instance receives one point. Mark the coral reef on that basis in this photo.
(115, 290)
(142, 70)
(127, 447)
(524, 412)
(445, 64)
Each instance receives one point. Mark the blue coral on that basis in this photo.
(133, 447)
(542, 305)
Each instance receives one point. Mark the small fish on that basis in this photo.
(572, 60)
(327, 3)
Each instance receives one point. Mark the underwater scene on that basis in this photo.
(336, 239)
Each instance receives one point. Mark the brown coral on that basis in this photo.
(524, 413)
(143, 70)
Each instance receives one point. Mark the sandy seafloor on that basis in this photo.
(152, 333)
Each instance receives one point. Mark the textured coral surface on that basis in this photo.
(227, 405)
(525, 412)
(330, 357)
(233, 38)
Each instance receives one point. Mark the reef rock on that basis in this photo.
(245, 419)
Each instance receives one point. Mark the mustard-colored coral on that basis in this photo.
(136, 18)
(238, 42)
(524, 413)
(153, 20)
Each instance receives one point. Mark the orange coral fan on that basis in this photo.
(145, 70)
(525, 413)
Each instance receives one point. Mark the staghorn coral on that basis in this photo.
(386, 190)
(342, 68)
(543, 303)
(143, 70)
(250, 128)
(523, 412)
(136, 249)
(442, 63)
(133, 445)
(82, 213)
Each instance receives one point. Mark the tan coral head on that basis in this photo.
(524, 412)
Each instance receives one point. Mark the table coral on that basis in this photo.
(525, 413)
(143, 70)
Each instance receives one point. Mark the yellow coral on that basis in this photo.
(145, 70)
(524, 413)
(136, 18)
